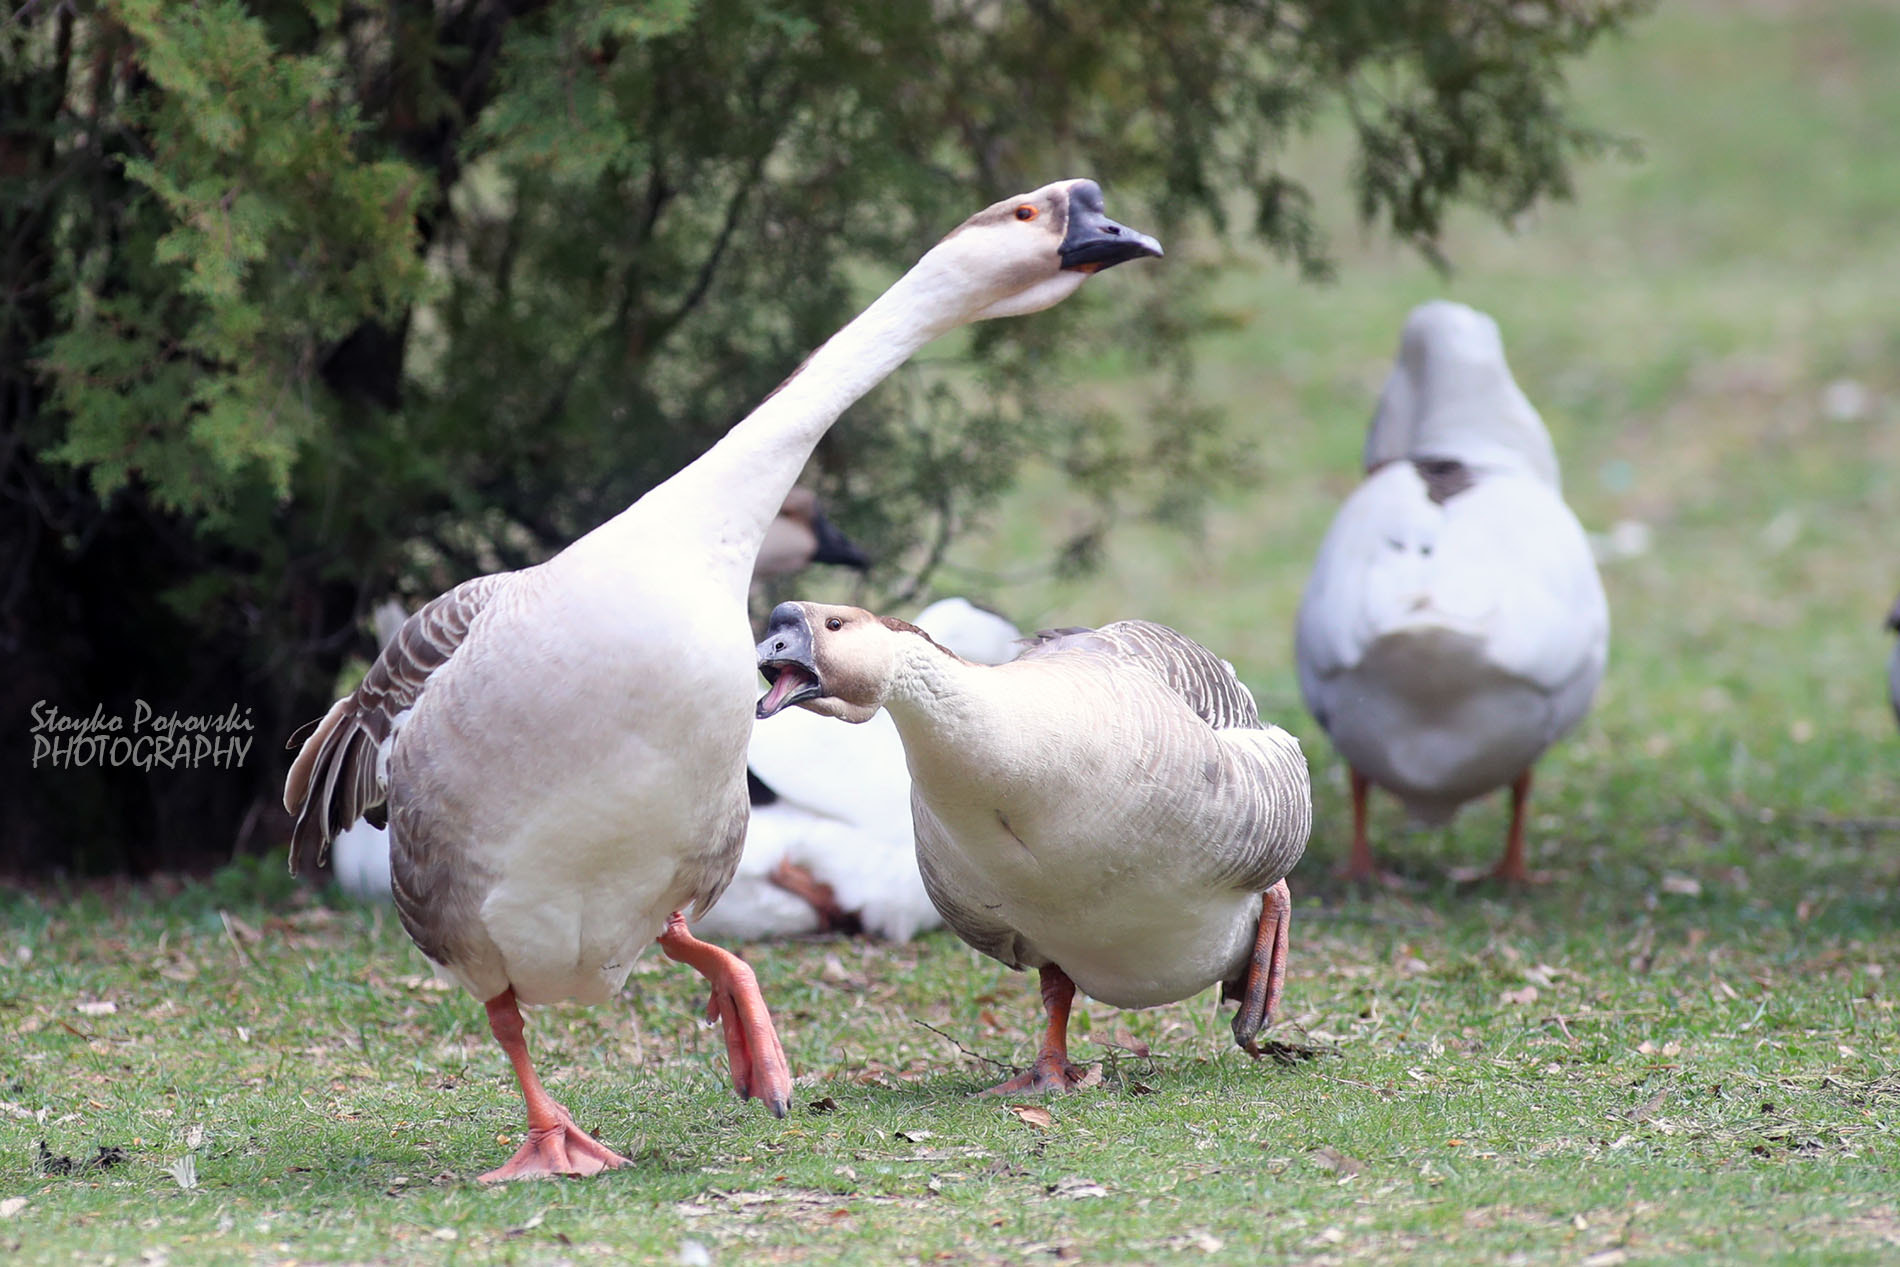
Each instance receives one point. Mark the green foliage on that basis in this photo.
(332, 299)
(266, 238)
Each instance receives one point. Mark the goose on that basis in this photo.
(829, 845)
(1893, 666)
(562, 748)
(1107, 808)
(799, 536)
(1454, 625)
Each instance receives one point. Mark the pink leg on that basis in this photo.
(759, 1068)
(1510, 868)
(555, 1145)
(1052, 1070)
(1266, 975)
(1360, 868)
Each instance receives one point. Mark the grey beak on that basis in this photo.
(785, 658)
(1093, 241)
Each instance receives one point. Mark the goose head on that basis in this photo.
(1451, 395)
(802, 535)
(1029, 252)
(835, 661)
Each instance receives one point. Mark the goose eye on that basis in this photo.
(1025, 212)
(834, 624)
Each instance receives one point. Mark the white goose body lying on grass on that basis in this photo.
(829, 847)
(1454, 626)
(1107, 808)
(562, 748)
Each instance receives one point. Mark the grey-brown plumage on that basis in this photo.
(339, 775)
(1108, 806)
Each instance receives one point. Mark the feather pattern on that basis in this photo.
(1110, 802)
(342, 770)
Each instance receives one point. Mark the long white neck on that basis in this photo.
(726, 499)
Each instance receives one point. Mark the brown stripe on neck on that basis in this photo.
(1444, 478)
(797, 370)
(904, 626)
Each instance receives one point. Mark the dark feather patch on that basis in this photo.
(1444, 478)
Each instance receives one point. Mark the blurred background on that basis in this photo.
(310, 305)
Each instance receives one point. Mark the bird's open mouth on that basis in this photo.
(791, 683)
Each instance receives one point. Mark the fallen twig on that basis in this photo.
(974, 1055)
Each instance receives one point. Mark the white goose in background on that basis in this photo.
(830, 845)
(799, 536)
(1107, 808)
(562, 748)
(1454, 626)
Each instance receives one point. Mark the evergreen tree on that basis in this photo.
(308, 301)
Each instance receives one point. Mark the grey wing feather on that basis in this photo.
(1190, 670)
(335, 777)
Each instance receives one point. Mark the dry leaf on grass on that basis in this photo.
(1642, 1112)
(1522, 998)
(103, 1007)
(1337, 1162)
(12, 1206)
(1076, 1187)
(1033, 1115)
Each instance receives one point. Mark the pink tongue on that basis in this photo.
(789, 680)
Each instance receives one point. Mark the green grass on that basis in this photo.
(1705, 1072)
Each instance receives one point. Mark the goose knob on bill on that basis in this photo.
(1107, 808)
(1454, 626)
(562, 748)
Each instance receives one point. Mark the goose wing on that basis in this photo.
(1256, 804)
(1202, 679)
(342, 768)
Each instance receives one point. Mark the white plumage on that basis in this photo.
(1454, 626)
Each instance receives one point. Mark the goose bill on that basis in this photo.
(1093, 241)
(791, 683)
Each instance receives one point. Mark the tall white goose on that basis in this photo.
(1454, 626)
(563, 748)
(1107, 808)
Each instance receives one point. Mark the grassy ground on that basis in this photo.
(1685, 1047)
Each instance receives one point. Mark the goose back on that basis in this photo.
(1109, 802)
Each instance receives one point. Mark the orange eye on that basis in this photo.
(834, 624)
(1025, 212)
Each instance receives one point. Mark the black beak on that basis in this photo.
(1094, 242)
(1893, 617)
(785, 659)
(835, 547)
